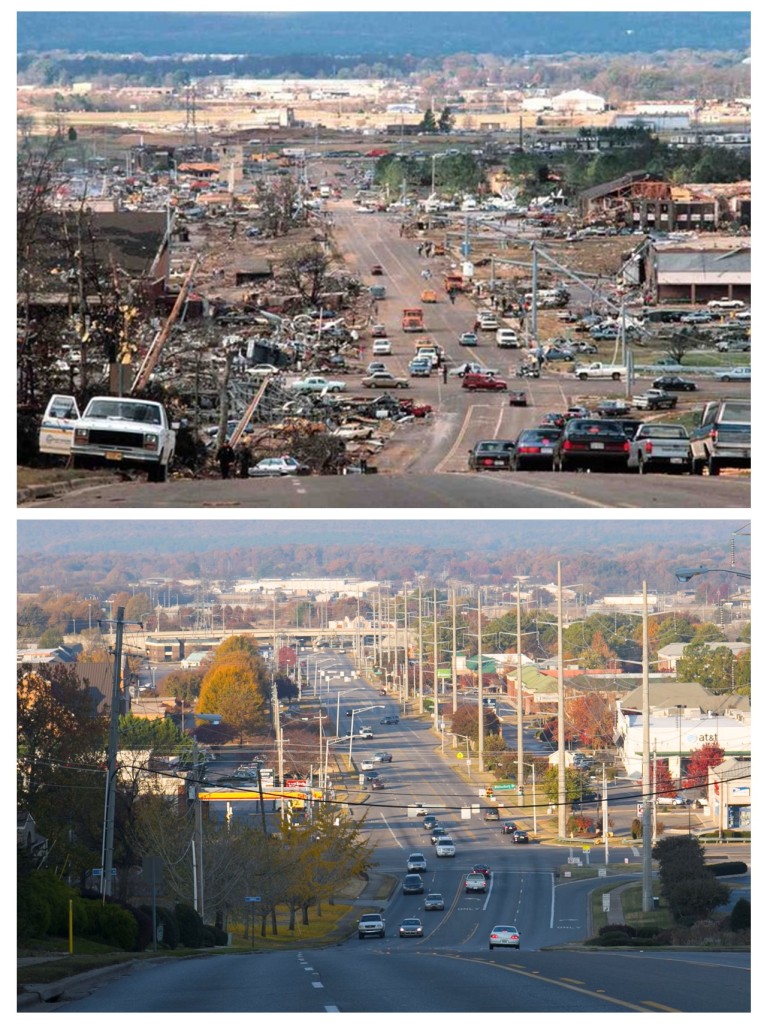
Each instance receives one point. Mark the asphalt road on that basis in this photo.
(431, 490)
(451, 968)
(424, 464)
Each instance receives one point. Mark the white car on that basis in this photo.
(736, 373)
(504, 935)
(445, 847)
(367, 765)
(725, 304)
(416, 862)
(283, 465)
(382, 347)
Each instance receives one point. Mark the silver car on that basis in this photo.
(504, 935)
(411, 927)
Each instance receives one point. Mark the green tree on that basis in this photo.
(446, 120)
(428, 123)
(50, 638)
(573, 784)
(742, 676)
(236, 686)
(711, 667)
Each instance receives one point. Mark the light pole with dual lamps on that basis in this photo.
(359, 711)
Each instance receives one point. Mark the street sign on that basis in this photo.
(505, 785)
(459, 755)
(252, 899)
(444, 673)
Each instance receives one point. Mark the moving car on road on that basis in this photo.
(434, 901)
(504, 935)
(534, 448)
(475, 881)
(591, 444)
(411, 927)
(496, 454)
(483, 382)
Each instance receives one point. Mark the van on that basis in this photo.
(377, 291)
(505, 337)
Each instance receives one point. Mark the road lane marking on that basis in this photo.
(660, 1006)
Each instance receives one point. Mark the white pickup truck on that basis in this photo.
(592, 371)
(129, 433)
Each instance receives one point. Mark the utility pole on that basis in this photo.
(520, 730)
(436, 666)
(561, 776)
(420, 650)
(111, 781)
(455, 652)
(480, 698)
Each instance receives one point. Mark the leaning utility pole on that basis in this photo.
(561, 774)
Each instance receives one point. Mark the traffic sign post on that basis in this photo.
(505, 785)
(253, 900)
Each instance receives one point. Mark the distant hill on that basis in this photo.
(381, 33)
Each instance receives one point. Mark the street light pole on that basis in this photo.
(453, 657)
(420, 650)
(435, 694)
(647, 795)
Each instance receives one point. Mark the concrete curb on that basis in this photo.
(34, 492)
(33, 996)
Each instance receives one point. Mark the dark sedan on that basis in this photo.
(535, 448)
(520, 837)
(591, 444)
(671, 382)
(491, 455)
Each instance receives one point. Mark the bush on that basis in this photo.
(43, 900)
(144, 923)
(740, 918)
(111, 924)
(695, 898)
(623, 929)
(221, 937)
(190, 926)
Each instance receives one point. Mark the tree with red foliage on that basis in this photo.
(662, 783)
(708, 756)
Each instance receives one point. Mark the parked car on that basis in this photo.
(376, 270)
(725, 304)
(552, 355)
(483, 382)
(735, 373)
(698, 316)
(534, 448)
(384, 379)
(283, 465)
(671, 382)
(591, 443)
(495, 454)
(504, 935)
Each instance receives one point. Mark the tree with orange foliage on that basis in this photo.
(236, 686)
(593, 719)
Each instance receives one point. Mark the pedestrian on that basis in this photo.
(451, 296)
(419, 248)
(243, 460)
(444, 373)
(225, 457)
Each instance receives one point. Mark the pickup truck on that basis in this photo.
(660, 446)
(723, 436)
(371, 924)
(596, 370)
(654, 398)
(412, 319)
(127, 432)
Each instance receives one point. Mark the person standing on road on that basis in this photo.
(243, 460)
(444, 373)
(225, 457)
